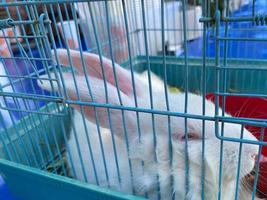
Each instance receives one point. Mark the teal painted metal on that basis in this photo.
(238, 72)
(40, 139)
(39, 143)
(30, 183)
(174, 69)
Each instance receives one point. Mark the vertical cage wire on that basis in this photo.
(158, 36)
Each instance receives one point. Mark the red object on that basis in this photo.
(250, 107)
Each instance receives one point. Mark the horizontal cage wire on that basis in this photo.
(149, 99)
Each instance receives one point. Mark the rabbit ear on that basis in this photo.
(93, 66)
(96, 94)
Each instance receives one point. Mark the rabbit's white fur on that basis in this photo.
(150, 157)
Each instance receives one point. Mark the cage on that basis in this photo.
(133, 99)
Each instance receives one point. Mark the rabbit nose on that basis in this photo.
(254, 157)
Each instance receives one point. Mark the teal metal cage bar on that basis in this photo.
(44, 139)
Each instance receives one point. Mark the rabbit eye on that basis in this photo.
(191, 136)
(182, 137)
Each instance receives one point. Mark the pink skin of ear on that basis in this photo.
(94, 69)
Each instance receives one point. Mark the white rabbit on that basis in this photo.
(149, 157)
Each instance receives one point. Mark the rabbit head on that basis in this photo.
(104, 89)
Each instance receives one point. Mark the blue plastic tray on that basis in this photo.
(4, 191)
(236, 49)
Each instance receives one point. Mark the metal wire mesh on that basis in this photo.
(122, 141)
